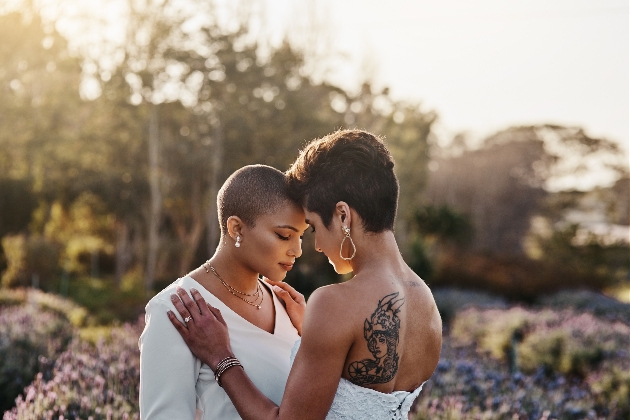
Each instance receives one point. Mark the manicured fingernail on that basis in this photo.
(169, 314)
(173, 297)
(193, 290)
(276, 288)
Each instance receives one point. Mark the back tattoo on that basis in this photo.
(381, 333)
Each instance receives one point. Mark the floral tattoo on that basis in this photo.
(381, 333)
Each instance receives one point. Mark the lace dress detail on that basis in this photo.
(354, 402)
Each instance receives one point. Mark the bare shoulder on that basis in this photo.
(329, 313)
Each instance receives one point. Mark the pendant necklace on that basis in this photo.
(258, 294)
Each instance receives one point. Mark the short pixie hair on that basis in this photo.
(352, 166)
(250, 192)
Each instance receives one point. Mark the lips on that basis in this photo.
(287, 266)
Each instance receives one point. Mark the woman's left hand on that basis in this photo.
(204, 330)
(294, 302)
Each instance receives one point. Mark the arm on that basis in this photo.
(316, 371)
(167, 369)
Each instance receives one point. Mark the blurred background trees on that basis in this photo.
(112, 153)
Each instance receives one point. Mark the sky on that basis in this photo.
(485, 65)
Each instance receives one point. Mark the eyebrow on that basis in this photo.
(288, 227)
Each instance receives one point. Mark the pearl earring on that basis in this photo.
(238, 241)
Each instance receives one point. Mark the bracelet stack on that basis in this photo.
(224, 365)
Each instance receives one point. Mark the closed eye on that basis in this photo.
(284, 238)
(312, 228)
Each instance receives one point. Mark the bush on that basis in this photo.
(588, 301)
(29, 259)
(471, 385)
(27, 336)
(564, 342)
(76, 314)
(449, 301)
(88, 381)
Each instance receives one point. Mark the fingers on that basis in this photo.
(190, 304)
(179, 326)
(204, 307)
(183, 311)
(284, 290)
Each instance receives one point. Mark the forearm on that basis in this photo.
(250, 403)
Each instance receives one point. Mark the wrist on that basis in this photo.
(214, 361)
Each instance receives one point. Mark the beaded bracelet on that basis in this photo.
(224, 365)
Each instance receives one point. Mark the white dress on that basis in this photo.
(175, 385)
(354, 402)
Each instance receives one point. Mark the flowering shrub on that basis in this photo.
(88, 381)
(74, 313)
(562, 341)
(27, 336)
(587, 301)
(568, 366)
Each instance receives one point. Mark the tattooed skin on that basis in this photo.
(381, 333)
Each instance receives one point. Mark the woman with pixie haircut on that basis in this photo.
(368, 344)
(261, 228)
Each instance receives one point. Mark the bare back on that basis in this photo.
(396, 330)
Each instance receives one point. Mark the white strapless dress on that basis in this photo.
(354, 402)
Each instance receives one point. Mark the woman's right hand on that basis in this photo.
(204, 330)
(294, 302)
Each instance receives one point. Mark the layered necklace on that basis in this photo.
(258, 295)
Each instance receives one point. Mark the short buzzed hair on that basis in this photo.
(250, 192)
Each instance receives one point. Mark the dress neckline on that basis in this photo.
(236, 314)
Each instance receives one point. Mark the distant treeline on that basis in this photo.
(108, 174)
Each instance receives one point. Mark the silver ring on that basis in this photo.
(188, 318)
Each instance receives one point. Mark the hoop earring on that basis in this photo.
(346, 231)
(238, 241)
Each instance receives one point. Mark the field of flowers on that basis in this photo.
(498, 362)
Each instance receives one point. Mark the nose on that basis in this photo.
(317, 248)
(296, 251)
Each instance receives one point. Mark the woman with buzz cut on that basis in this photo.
(261, 229)
(369, 343)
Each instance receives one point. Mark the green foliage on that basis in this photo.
(69, 310)
(588, 256)
(587, 301)
(443, 223)
(30, 259)
(565, 342)
(17, 203)
(28, 337)
(450, 301)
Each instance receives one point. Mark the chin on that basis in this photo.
(341, 268)
(276, 276)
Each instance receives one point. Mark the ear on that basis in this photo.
(342, 211)
(235, 226)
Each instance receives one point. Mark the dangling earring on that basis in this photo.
(238, 241)
(346, 231)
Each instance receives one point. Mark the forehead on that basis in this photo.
(312, 217)
(288, 214)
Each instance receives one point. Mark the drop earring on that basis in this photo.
(238, 241)
(346, 231)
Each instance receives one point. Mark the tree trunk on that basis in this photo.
(156, 199)
(123, 250)
(189, 237)
(214, 230)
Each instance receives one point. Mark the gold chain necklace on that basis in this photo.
(258, 294)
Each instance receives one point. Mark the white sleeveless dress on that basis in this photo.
(354, 402)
